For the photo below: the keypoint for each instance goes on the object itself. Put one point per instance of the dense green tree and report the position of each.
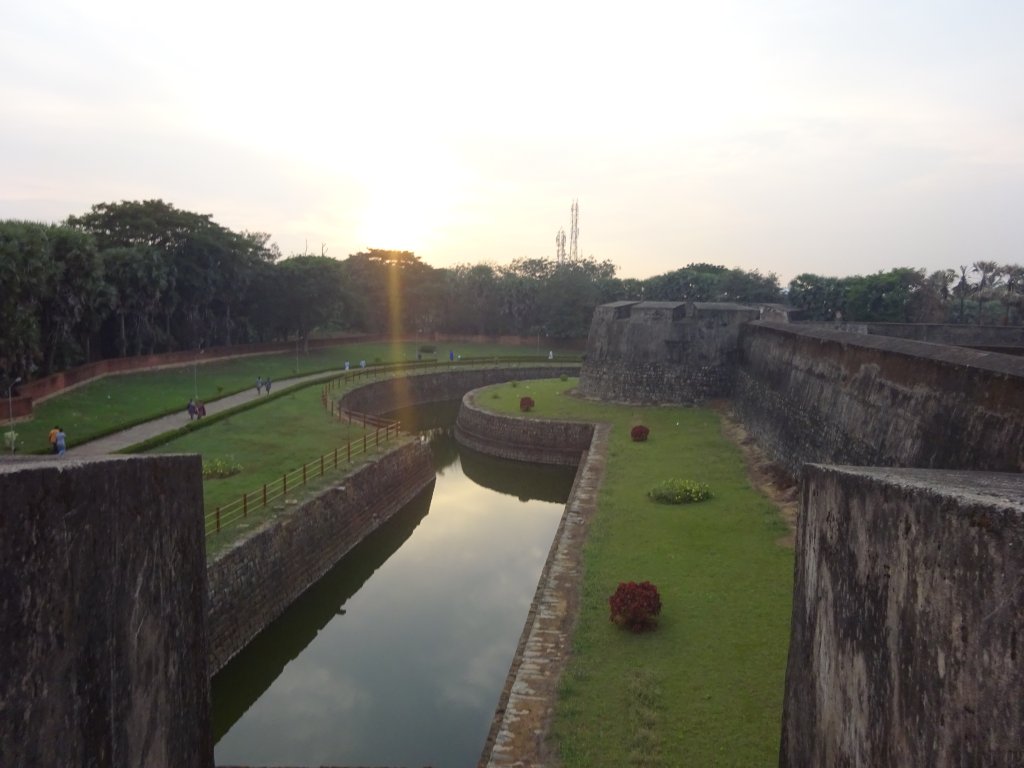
(76, 299)
(884, 296)
(138, 278)
(313, 291)
(820, 298)
(26, 272)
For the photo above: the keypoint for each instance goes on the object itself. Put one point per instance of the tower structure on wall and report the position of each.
(574, 232)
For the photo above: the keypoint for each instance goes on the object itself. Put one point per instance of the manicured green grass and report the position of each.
(267, 442)
(705, 688)
(117, 402)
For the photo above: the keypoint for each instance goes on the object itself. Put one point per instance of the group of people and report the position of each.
(196, 410)
(262, 384)
(58, 441)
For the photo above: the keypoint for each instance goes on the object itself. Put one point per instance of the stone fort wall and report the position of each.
(908, 620)
(655, 351)
(811, 395)
(103, 613)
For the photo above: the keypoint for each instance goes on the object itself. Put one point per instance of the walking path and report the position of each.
(118, 441)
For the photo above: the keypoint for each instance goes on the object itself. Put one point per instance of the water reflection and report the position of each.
(244, 679)
(397, 657)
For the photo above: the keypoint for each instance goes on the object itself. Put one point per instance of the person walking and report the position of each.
(266, 384)
(192, 410)
(61, 442)
(53, 439)
(259, 385)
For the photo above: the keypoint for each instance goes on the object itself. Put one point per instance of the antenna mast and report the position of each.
(574, 232)
(560, 246)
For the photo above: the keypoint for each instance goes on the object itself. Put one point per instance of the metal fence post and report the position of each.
(218, 519)
(264, 494)
(245, 505)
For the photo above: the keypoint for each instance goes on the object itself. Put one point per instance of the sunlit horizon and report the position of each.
(785, 137)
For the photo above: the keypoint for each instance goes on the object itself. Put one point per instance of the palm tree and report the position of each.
(990, 275)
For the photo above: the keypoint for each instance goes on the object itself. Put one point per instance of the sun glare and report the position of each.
(408, 199)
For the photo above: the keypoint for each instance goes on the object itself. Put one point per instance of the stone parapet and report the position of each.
(102, 613)
(811, 395)
(908, 620)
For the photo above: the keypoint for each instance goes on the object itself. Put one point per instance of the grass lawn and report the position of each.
(266, 442)
(117, 402)
(705, 688)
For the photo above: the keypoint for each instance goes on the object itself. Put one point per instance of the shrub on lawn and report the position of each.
(635, 606)
(639, 433)
(526, 404)
(427, 349)
(680, 492)
(218, 469)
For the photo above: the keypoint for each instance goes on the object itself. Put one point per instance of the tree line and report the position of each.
(984, 293)
(138, 277)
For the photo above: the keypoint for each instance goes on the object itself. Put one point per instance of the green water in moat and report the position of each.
(398, 655)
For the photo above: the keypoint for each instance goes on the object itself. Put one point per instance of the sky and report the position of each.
(786, 136)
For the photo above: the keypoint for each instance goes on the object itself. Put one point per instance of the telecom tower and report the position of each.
(574, 233)
(574, 237)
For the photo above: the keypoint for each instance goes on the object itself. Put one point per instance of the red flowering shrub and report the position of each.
(639, 433)
(526, 403)
(634, 606)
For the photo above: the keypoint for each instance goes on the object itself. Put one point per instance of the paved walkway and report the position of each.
(128, 437)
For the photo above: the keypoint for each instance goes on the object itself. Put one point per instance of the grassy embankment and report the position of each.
(705, 688)
(267, 441)
(117, 402)
(264, 443)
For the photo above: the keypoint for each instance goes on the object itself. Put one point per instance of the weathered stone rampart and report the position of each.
(102, 613)
(657, 351)
(252, 583)
(994, 338)
(908, 620)
(811, 395)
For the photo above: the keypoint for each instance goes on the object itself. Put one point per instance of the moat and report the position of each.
(398, 655)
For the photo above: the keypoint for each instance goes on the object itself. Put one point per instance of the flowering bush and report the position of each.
(218, 469)
(639, 433)
(526, 403)
(634, 606)
(680, 492)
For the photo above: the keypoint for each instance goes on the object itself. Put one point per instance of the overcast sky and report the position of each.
(786, 136)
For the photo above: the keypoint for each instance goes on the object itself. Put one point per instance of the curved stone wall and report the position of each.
(520, 438)
(419, 389)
